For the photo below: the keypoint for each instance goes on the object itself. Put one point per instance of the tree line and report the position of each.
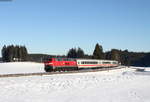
(19, 53)
(124, 57)
(14, 53)
(97, 53)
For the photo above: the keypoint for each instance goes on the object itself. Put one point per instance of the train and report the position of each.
(70, 64)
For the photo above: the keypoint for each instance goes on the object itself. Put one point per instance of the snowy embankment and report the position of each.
(21, 67)
(145, 68)
(121, 85)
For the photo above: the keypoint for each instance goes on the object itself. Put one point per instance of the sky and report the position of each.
(55, 26)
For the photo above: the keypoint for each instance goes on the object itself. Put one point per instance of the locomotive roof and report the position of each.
(83, 59)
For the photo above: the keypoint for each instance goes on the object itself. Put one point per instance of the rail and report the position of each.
(52, 73)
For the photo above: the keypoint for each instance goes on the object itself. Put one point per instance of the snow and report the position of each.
(120, 85)
(21, 67)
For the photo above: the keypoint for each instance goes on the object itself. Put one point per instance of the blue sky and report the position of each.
(55, 26)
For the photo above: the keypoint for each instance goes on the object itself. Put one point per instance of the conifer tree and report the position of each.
(75, 53)
(80, 53)
(115, 55)
(98, 52)
(72, 53)
(108, 55)
(24, 53)
(4, 53)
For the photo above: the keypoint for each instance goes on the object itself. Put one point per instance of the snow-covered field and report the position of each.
(21, 67)
(120, 85)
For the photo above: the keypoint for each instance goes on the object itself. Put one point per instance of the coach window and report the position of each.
(114, 62)
(106, 62)
(94, 62)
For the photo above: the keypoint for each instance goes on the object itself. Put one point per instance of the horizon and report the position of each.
(55, 26)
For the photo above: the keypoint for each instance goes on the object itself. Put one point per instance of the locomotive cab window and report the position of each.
(49, 59)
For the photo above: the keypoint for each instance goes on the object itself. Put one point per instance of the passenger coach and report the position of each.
(90, 63)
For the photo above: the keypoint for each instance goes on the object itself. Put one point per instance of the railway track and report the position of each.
(52, 73)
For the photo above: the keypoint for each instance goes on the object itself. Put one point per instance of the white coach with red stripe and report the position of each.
(90, 63)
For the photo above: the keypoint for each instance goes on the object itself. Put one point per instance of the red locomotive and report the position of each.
(68, 64)
(60, 64)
